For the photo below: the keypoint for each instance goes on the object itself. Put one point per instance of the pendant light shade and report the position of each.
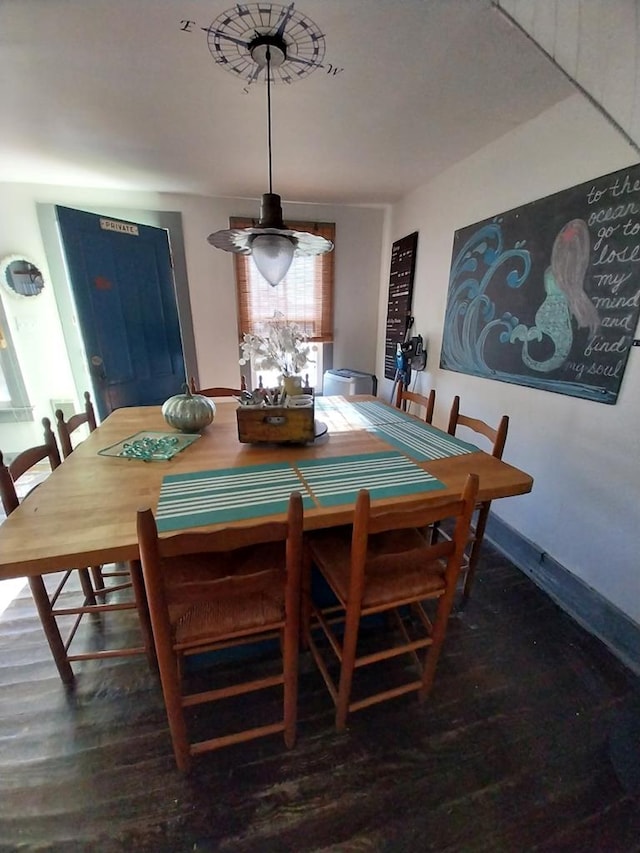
(273, 254)
(271, 243)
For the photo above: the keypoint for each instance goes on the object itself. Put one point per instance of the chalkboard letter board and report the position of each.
(403, 264)
(548, 294)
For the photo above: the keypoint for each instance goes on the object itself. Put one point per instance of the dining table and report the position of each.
(84, 512)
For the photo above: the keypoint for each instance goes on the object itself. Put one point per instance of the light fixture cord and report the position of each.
(268, 58)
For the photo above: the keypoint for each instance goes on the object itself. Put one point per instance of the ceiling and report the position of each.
(120, 93)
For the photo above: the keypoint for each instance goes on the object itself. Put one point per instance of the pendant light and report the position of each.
(272, 245)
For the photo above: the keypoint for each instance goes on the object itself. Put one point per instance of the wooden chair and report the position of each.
(497, 437)
(385, 564)
(404, 398)
(67, 427)
(49, 605)
(214, 590)
(218, 391)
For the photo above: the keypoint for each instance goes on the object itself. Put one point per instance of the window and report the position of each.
(14, 402)
(305, 296)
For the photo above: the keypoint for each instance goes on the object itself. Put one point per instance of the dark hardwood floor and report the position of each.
(522, 746)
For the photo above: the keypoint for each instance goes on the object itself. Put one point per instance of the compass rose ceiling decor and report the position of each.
(278, 43)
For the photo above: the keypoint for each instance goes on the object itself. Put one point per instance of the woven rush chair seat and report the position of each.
(214, 590)
(384, 565)
(249, 601)
(394, 568)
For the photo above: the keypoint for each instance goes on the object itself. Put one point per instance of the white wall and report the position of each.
(584, 510)
(211, 284)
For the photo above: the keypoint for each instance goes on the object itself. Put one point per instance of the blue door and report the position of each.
(122, 283)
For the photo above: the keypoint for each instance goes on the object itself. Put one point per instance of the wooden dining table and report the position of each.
(84, 513)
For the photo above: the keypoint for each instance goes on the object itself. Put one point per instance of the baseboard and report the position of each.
(590, 609)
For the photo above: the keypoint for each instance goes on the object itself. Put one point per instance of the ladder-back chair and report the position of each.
(218, 391)
(214, 590)
(497, 436)
(54, 608)
(385, 564)
(404, 398)
(67, 426)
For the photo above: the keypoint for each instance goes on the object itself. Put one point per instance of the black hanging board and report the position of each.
(403, 264)
(548, 294)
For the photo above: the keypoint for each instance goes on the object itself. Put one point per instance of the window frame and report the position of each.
(19, 407)
(319, 330)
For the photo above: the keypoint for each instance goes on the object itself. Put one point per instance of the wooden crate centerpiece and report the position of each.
(279, 424)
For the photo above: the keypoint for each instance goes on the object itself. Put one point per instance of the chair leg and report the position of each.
(305, 600)
(474, 554)
(87, 587)
(170, 680)
(98, 581)
(137, 583)
(43, 606)
(445, 604)
(290, 668)
(349, 648)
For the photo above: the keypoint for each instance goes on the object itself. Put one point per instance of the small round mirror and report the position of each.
(20, 276)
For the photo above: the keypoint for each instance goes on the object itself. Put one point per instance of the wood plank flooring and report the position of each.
(517, 749)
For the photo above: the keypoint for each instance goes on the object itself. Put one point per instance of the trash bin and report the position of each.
(348, 382)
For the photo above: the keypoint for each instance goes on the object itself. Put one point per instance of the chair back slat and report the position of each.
(218, 390)
(414, 514)
(226, 539)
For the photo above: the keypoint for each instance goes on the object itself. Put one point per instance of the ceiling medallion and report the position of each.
(235, 34)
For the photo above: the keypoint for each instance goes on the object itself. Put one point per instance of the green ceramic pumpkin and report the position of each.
(188, 412)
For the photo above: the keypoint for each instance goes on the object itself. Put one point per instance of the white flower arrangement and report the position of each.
(281, 346)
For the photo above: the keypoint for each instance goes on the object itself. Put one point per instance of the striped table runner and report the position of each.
(340, 414)
(386, 474)
(417, 439)
(421, 441)
(363, 414)
(231, 494)
(378, 413)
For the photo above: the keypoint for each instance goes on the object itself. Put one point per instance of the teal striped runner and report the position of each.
(386, 474)
(421, 441)
(378, 413)
(417, 439)
(335, 406)
(230, 494)
(366, 413)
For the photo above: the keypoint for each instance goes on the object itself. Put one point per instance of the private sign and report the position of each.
(123, 227)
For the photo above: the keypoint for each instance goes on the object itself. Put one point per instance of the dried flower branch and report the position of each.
(281, 346)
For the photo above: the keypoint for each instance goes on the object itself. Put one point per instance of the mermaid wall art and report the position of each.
(565, 299)
(548, 295)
